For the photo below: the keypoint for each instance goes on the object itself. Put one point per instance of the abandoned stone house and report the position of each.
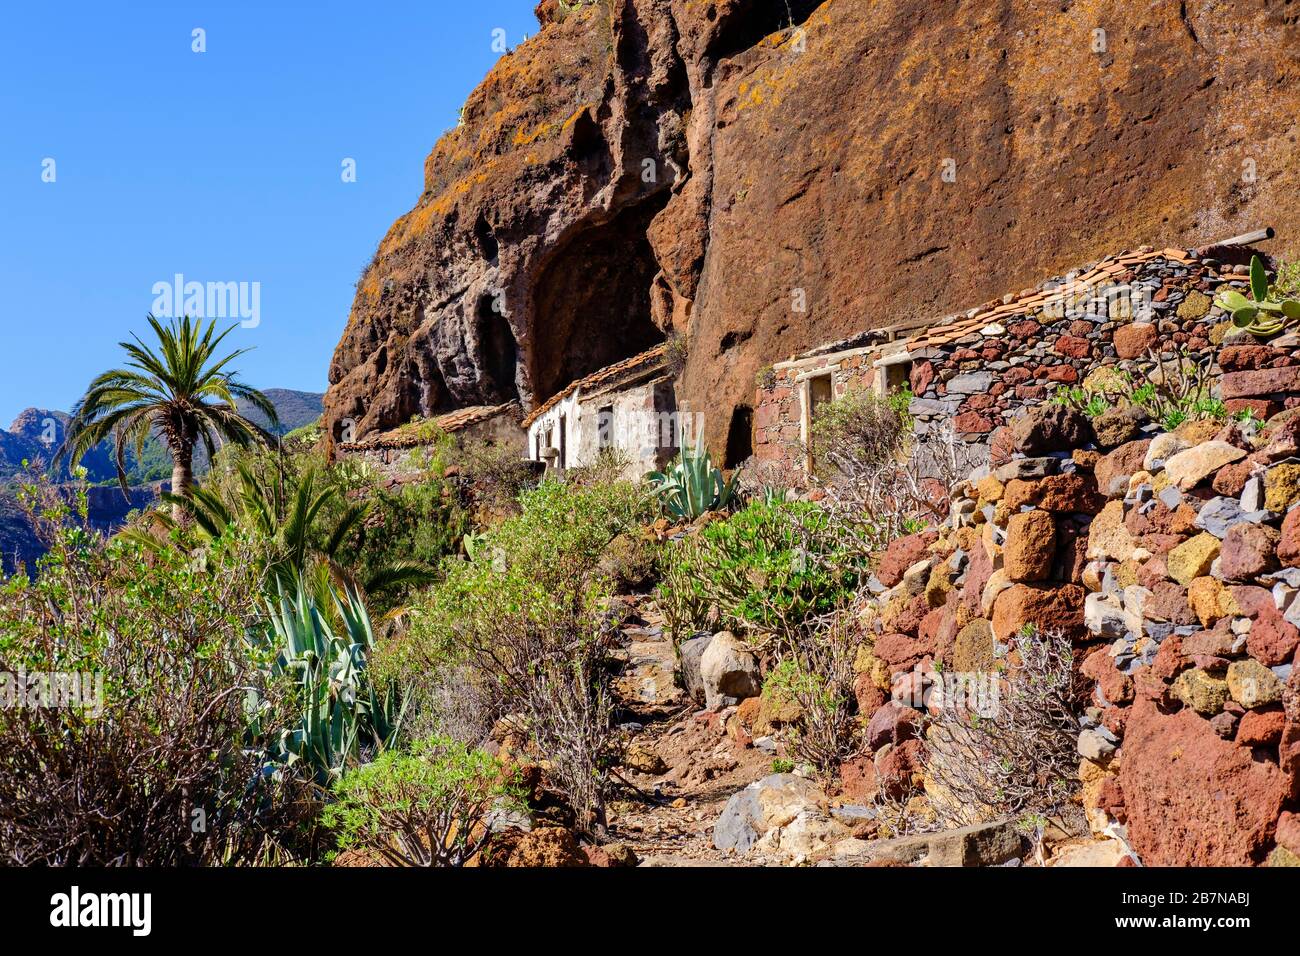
(629, 408)
(390, 453)
(1122, 317)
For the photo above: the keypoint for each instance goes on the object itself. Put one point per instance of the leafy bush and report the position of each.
(525, 620)
(691, 486)
(773, 567)
(426, 807)
(164, 768)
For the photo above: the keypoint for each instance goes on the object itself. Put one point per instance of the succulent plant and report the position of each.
(1266, 312)
(691, 485)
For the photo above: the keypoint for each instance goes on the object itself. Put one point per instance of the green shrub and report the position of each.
(426, 807)
(164, 769)
(772, 567)
(343, 717)
(524, 618)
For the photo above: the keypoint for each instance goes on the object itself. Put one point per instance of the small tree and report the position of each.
(428, 807)
(182, 392)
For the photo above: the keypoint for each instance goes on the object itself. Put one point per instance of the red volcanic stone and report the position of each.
(867, 694)
(1169, 661)
(1024, 330)
(1288, 548)
(978, 402)
(1272, 640)
(1065, 374)
(1115, 719)
(899, 650)
(1288, 832)
(1057, 607)
(1168, 602)
(1113, 470)
(1192, 798)
(1244, 358)
(921, 378)
(1261, 408)
(901, 554)
(1133, 340)
(1260, 382)
(973, 423)
(1115, 686)
(1261, 728)
(1016, 376)
(1110, 797)
(892, 724)
(1031, 392)
(978, 572)
(858, 779)
(1072, 346)
(896, 767)
(1153, 571)
(1230, 479)
(1248, 551)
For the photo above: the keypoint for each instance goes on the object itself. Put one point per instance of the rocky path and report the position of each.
(680, 759)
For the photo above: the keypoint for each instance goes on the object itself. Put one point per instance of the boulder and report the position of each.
(1259, 382)
(1050, 427)
(1115, 426)
(981, 844)
(892, 724)
(1192, 558)
(774, 801)
(1132, 340)
(1191, 798)
(690, 653)
(728, 671)
(547, 847)
(1201, 691)
(1281, 487)
(1059, 607)
(1249, 550)
(1252, 685)
(901, 554)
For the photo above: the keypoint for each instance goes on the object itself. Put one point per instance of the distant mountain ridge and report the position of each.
(36, 434)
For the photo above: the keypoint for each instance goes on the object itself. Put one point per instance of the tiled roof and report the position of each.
(610, 375)
(404, 436)
(1109, 269)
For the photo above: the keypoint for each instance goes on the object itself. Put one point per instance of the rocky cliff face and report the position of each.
(763, 176)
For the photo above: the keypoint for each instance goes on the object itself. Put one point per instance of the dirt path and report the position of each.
(680, 757)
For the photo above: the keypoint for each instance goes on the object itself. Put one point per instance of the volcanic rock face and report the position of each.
(763, 177)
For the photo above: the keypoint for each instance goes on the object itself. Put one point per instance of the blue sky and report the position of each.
(224, 166)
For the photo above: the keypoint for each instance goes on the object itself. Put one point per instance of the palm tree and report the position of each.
(182, 394)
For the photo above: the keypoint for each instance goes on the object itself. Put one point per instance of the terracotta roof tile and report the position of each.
(450, 423)
(606, 376)
(996, 310)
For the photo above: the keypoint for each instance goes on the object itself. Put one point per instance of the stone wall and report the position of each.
(1171, 560)
(1109, 325)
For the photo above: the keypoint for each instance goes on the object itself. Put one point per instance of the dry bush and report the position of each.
(1020, 757)
(879, 478)
(816, 672)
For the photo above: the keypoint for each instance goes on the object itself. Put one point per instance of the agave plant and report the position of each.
(1267, 312)
(343, 717)
(692, 485)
